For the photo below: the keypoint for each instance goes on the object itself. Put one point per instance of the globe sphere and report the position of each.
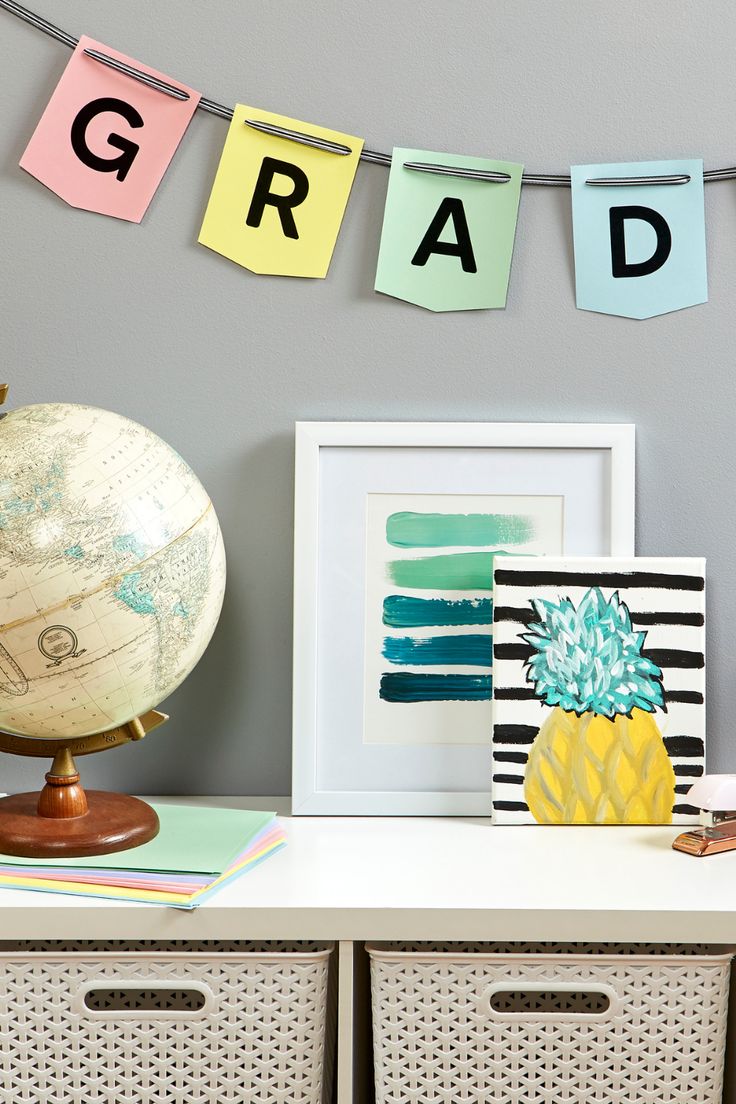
(112, 571)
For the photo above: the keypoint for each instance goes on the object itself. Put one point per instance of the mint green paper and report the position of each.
(192, 839)
(412, 202)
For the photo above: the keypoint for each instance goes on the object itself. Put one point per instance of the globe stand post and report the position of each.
(62, 796)
(64, 821)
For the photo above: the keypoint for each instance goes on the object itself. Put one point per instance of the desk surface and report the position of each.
(427, 878)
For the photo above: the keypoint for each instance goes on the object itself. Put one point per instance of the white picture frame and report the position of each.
(348, 460)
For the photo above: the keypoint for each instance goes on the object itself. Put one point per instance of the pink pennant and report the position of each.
(105, 139)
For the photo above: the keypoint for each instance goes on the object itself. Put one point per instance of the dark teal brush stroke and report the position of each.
(405, 686)
(471, 650)
(403, 612)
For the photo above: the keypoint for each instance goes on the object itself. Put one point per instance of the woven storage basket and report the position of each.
(548, 1024)
(164, 1023)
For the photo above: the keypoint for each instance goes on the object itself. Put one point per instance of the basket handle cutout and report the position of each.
(550, 1001)
(112, 999)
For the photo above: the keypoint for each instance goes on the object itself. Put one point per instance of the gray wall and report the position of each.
(142, 320)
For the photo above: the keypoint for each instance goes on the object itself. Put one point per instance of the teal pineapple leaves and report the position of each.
(588, 659)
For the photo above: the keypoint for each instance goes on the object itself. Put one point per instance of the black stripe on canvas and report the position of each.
(511, 613)
(675, 657)
(685, 697)
(695, 619)
(514, 693)
(528, 616)
(512, 651)
(685, 770)
(518, 779)
(522, 807)
(688, 747)
(514, 734)
(685, 747)
(682, 770)
(523, 693)
(663, 657)
(519, 757)
(656, 580)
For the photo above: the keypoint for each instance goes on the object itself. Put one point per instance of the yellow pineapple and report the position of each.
(599, 758)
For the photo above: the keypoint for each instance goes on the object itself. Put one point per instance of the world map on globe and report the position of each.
(112, 570)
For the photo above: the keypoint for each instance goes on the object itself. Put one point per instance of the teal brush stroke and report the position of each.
(471, 650)
(414, 530)
(407, 687)
(461, 571)
(402, 612)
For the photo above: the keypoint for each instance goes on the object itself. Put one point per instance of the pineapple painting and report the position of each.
(599, 758)
(598, 689)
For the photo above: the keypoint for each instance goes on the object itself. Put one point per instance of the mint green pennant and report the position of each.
(447, 241)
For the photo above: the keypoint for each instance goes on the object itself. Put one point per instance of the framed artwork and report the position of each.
(599, 690)
(397, 529)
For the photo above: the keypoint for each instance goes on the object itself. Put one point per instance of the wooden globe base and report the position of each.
(64, 821)
(113, 822)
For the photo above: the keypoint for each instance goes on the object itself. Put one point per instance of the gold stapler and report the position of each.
(715, 796)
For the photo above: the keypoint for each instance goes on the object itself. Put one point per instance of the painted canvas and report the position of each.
(428, 635)
(599, 690)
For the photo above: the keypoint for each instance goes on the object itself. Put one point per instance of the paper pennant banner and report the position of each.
(105, 139)
(639, 249)
(276, 205)
(447, 241)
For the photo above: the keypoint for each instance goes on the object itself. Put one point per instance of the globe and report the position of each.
(112, 571)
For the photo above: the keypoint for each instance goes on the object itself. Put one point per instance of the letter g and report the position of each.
(121, 165)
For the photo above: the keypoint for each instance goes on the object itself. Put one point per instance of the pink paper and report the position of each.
(126, 129)
(149, 880)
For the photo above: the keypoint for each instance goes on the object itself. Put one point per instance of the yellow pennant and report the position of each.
(276, 204)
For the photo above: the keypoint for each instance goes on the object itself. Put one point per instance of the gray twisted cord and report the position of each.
(373, 157)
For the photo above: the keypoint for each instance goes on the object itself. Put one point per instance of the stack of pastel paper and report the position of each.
(197, 851)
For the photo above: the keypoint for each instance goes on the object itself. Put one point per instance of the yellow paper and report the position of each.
(84, 888)
(155, 896)
(294, 233)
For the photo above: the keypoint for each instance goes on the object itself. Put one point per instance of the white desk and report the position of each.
(366, 878)
(362, 878)
(353, 879)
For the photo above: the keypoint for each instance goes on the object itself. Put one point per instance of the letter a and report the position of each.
(462, 247)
